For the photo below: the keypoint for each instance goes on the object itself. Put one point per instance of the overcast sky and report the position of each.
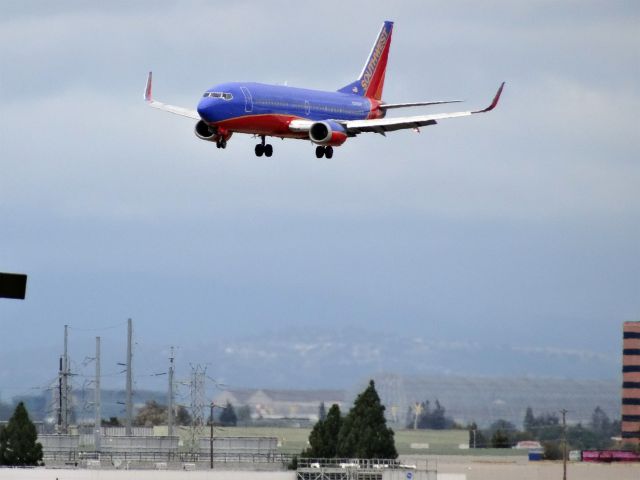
(514, 235)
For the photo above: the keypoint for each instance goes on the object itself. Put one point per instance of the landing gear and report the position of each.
(324, 151)
(221, 143)
(264, 148)
(328, 151)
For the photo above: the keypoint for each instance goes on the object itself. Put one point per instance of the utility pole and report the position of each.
(211, 436)
(564, 443)
(98, 418)
(60, 370)
(63, 388)
(65, 382)
(129, 403)
(170, 402)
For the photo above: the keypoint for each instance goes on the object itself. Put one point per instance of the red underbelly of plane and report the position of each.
(265, 124)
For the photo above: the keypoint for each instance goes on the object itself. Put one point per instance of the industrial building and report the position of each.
(274, 404)
(631, 382)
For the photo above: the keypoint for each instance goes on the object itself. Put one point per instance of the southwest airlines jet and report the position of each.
(325, 118)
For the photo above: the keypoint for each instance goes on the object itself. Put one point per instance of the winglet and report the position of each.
(494, 103)
(147, 90)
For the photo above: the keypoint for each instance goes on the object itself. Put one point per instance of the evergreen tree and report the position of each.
(364, 432)
(228, 416)
(529, 420)
(18, 446)
(183, 417)
(244, 415)
(424, 415)
(410, 418)
(500, 439)
(152, 413)
(322, 412)
(438, 420)
(112, 422)
(600, 422)
(323, 439)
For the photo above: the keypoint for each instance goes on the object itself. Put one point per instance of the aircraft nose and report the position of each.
(204, 108)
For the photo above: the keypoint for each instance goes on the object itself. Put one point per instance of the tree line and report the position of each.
(549, 431)
(422, 416)
(154, 413)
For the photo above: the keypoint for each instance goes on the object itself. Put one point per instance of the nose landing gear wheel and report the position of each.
(264, 148)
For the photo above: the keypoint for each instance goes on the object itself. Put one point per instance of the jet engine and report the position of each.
(327, 133)
(205, 132)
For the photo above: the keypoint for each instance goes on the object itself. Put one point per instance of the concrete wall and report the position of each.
(258, 445)
(63, 443)
(139, 444)
(59, 443)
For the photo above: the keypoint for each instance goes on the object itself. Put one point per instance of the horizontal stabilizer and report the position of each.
(386, 106)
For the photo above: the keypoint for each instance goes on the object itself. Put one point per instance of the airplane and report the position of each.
(325, 118)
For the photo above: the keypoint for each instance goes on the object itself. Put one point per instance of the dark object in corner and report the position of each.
(13, 285)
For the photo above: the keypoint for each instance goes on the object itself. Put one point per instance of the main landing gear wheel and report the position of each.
(222, 143)
(328, 151)
(264, 149)
(324, 151)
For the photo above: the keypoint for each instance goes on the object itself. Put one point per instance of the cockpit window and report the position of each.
(225, 96)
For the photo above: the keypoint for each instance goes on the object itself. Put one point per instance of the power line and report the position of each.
(95, 329)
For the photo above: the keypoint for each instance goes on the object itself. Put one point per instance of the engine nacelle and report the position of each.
(327, 133)
(205, 132)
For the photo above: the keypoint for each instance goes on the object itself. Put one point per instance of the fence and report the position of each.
(361, 469)
(117, 457)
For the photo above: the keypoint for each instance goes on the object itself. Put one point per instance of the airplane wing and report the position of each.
(382, 125)
(184, 112)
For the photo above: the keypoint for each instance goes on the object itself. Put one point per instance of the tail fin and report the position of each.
(371, 80)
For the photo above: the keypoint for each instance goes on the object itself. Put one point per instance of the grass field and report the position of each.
(441, 442)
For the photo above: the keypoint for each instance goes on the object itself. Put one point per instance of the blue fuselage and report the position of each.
(267, 109)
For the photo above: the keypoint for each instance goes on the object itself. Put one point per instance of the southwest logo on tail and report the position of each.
(371, 80)
(325, 118)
